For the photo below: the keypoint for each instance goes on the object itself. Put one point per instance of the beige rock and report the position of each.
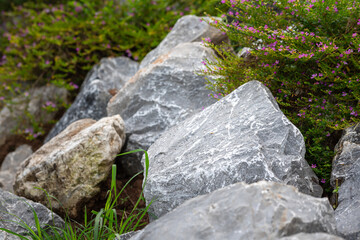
(73, 164)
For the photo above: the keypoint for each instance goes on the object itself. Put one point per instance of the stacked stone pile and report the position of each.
(227, 169)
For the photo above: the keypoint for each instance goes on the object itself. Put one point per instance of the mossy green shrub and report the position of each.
(58, 44)
(307, 54)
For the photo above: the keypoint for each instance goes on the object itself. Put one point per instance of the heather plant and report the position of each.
(307, 54)
(59, 43)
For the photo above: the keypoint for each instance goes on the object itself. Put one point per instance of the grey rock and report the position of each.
(244, 53)
(11, 165)
(72, 165)
(242, 137)
(100, 84)
(312, 236)
(159, 96)
(10, 116)
(23, 208)
(348, 153)
(346, 168)
(262, 210)
(127, 236)
(187, 29)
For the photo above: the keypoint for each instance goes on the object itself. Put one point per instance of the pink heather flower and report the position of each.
(78, 9)
(77, 49)
(29, 130)
(313, 165)
(47, 62)
(2, 98)
(73, 85)
(223, 1)
(354, 113)
(323, 180)
(328, 135)
(354, 35)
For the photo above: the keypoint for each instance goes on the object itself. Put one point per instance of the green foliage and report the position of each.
(6, 5)
(105, 225)
(307, 54)
(58, 44)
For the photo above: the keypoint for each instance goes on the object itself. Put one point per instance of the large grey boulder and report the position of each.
(12, 206)
(72, 165)
(346, 168)
(10, 116)
(242, 137)
(104, 80)
(11, 164)
(262, 210)
(159, 96)
(187, 29)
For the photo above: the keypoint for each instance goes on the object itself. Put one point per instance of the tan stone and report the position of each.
(73, 164)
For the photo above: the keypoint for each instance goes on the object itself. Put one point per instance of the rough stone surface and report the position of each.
(104, 80)
(348, 153)
(245, 52)
(312, 236)
(159, 96)
(9, 117)
(11, 164)
(10, 203)
(262, 210)
(242, 137)
(187, 29)
(73, 164)
(127, 236)
(346, 168)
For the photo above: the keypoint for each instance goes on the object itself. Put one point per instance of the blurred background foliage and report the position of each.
(57, 42)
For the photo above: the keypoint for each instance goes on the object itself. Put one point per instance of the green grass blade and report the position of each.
(98, 224)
